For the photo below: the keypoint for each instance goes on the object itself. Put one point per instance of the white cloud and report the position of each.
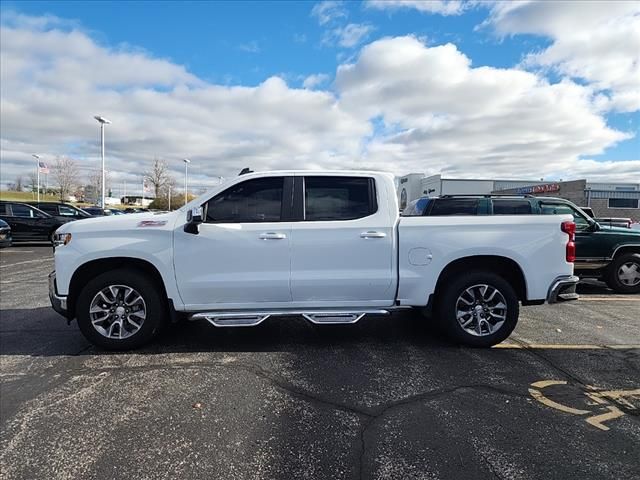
(250, 47)
(442, 7)
(313, 81)
(432, 112)
(54, 81)
(596, 41)
(348, 36)
(444, 115)
(329, 11)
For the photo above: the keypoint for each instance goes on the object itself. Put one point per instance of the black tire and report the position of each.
(454, 289)
(612, 277)
(52, 237)
(155, 304)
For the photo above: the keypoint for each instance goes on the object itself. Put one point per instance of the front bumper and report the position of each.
(563, 289)
(59, 303)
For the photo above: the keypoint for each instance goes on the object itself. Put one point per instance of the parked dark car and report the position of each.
(602, 251)
(63, 211)
(135, 210)
(96, 211)
(5, 234)
(29, 223)
(102, 212)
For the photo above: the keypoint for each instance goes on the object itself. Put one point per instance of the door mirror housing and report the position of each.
(194, 219)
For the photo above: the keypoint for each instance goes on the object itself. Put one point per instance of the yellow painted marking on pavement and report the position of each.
(596, 421)
(608, 299)
(599, 399)
(563, 346)
(538, 395)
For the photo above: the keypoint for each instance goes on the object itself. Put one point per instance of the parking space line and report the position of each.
(608, 299)
(563, 346)
(39, 260)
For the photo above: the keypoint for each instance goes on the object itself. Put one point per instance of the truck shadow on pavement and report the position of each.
(41, 332)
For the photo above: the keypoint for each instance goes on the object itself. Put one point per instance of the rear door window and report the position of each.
(454, 206)
(339, 198)
(50, 209)
(67, 211)
(511, 207)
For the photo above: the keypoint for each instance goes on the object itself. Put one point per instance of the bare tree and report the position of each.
(32, 184)
(18, 184)
(66, 174)
(95, 181)
(158, 176)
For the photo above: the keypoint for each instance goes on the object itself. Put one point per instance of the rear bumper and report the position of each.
(58, 302)
(562, 289)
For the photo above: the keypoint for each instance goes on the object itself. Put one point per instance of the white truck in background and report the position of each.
(329, 246)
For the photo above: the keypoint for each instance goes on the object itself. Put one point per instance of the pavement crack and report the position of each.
(536, 353)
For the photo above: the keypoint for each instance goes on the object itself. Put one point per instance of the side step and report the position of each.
(319, 317)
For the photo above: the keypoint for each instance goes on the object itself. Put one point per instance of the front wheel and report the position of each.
(120, 309)
(479, 309)
(623, 274)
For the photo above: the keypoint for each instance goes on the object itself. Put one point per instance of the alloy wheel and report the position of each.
(481, 310)
(117, 312)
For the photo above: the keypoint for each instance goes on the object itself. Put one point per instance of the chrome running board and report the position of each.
(253, 318)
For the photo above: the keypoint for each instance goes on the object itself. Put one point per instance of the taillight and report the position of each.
(570, 229)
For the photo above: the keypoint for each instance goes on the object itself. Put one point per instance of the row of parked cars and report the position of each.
(606, 248)
(38, 221)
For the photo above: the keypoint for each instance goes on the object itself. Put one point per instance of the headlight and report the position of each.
(61, 239)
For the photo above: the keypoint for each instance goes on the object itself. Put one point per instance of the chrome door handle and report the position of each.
(372, 234)
(272, 236)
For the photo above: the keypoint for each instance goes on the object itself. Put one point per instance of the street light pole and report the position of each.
(186, 175)
(37, 157)
(103, 121)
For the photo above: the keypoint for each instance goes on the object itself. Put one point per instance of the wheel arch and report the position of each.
(505, 267)
(92, 268)
(626, 248)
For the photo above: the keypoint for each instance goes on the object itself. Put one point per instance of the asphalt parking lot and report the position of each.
(386, 398)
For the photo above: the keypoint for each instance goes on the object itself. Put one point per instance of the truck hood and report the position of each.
(626, 231)
(133, 221)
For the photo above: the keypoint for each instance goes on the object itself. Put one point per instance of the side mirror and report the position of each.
(194, 219)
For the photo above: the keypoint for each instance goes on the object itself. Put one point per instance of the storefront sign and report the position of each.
(547, 187)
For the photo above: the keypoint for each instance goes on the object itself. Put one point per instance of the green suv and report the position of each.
(605, 252)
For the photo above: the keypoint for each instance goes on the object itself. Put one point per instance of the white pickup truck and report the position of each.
(329, 246)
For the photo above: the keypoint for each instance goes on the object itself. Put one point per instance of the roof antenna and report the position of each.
(245, 170)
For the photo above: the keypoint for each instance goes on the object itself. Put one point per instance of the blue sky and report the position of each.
(247, 43)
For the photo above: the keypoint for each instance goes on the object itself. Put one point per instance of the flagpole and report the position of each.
(37, 157)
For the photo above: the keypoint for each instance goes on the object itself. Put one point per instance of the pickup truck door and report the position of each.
(241, 256)
(342, 249)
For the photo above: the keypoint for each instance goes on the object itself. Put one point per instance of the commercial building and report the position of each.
(606, 199)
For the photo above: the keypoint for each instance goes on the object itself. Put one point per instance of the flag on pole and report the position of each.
(44, 168)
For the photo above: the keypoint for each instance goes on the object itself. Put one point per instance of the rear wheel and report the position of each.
(479, 309)
(623, 274)
(120, 309)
